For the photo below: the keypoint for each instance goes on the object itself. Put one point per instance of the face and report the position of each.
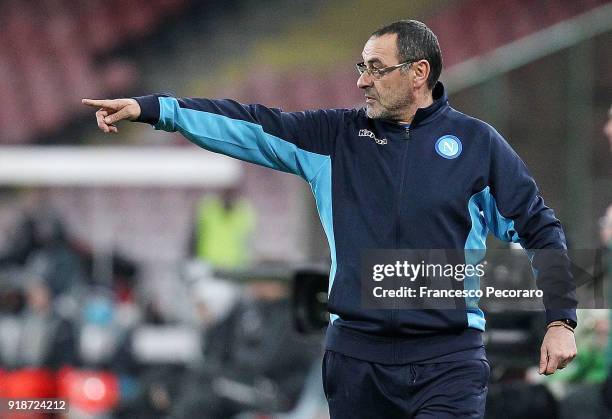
(606, 227)
(608, 131)
(391, 96)
(38, 297)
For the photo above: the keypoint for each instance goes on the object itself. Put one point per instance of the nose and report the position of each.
(364, 80)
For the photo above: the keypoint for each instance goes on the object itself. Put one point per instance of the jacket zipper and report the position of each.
(398, 216)
(401, 190)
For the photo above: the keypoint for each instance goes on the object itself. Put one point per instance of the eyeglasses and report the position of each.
(379, 73)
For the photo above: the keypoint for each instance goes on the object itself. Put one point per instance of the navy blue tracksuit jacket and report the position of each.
(443, 182)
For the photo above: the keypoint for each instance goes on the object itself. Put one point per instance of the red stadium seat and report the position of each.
(3, 378)
(93, 392)
(29, 383)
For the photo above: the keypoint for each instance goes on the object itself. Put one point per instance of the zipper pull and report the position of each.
(407, 133)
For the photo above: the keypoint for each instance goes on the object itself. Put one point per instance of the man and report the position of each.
(406, 172)
(45, 338)
(605, 233)
(223, 229)
(254, 349)
(608, 128)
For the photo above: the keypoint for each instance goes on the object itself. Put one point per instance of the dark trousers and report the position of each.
(359, 389)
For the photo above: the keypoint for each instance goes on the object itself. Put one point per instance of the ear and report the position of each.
(421, 73)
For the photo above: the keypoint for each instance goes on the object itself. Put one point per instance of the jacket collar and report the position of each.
(440, 101)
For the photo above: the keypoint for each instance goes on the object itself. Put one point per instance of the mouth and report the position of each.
(369, 99)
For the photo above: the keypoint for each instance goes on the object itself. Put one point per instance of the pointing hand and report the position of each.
(112, 111)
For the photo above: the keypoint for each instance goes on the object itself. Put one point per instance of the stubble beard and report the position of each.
(377, 112)
(393, 111)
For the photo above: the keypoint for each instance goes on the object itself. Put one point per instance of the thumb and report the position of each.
(543, 359)
(122, 114)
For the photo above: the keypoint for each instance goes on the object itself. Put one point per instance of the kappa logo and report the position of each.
(368, 133)
(448, 147)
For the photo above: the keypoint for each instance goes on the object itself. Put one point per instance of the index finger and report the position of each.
(96, 103)
(553, 362)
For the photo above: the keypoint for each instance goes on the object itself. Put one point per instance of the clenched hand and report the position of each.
(558, 350)
(112, 111)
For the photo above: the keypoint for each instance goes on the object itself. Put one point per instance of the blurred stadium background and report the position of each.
(143, 277)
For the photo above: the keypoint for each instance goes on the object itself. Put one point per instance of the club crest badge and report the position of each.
(449, 147)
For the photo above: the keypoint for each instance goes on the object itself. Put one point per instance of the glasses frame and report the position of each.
(379, 73)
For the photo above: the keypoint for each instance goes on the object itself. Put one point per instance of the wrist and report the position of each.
(565, 323)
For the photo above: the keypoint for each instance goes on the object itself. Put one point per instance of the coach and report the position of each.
(405, 172)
